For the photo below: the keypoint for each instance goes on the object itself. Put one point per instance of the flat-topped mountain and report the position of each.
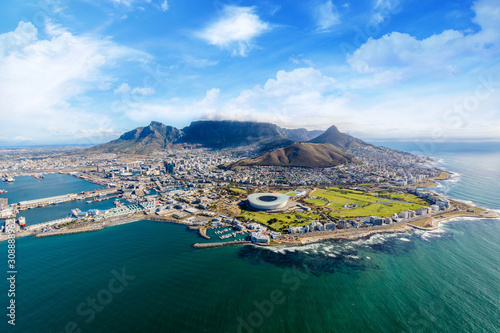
(301, 154)
(207, 133)
(225, 134)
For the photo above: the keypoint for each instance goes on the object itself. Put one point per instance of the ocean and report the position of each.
(146, 277)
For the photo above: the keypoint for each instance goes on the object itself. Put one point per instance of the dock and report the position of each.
(67, 232)
(219, 244)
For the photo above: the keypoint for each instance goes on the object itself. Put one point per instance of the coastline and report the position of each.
(432, 182)
(426, 223)
(429, 223)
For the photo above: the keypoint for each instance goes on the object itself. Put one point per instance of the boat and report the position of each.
(3, 191)
(9, 180)
(22, 221)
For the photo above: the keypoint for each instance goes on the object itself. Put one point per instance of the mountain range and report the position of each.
(286, 147)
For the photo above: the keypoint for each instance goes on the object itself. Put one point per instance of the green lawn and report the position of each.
(237, 191)
(316, 202)
(406, 197)
(345, 197)
(283, 219)
(376, 209)
(369, 204)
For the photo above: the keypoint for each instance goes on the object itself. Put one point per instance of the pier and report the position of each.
(34, 227)
(219, 244)
(67, 232)
(162, 219)
(65, 198)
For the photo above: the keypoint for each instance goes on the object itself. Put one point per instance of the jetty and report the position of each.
(219, 244)
(67, 232)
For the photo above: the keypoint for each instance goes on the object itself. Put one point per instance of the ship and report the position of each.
(22, 221)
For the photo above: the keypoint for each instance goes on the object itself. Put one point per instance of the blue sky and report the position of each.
(86, 71)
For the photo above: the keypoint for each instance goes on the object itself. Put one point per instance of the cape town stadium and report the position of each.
(268, 201)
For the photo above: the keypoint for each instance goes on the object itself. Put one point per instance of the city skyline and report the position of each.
(85, 73)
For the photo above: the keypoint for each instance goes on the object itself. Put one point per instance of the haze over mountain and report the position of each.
(300, 154)
(300, 134)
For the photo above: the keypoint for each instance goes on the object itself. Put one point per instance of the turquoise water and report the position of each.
(442, 281)
(54, 212)
(29, 188)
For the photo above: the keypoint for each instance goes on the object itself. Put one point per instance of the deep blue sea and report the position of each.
(146, 277)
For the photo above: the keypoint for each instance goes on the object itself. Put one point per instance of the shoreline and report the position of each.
(352, 234)
(428, 223)
(359, 234)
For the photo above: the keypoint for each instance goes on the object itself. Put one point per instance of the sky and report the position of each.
(84, 72)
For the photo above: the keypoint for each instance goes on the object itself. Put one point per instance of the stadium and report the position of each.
(268, 201)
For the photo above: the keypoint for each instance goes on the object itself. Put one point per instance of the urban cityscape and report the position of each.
(247, 166)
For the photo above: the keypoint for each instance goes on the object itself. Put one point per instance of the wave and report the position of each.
(496, 211)
(337, 248)
(454, 177)
(351, 256)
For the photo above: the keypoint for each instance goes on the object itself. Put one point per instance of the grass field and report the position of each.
(292, 219)
(238, 191)
(406, 197)
(368, 203)
(316, 202)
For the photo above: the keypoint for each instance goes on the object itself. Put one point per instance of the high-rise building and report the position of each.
(4, 202)
(169, 166)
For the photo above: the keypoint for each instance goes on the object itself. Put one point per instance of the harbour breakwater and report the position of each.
(219, 244)
(67, 232)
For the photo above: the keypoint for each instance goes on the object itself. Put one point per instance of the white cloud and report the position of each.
(326, 15)
(386, 4)
(447, 53)
(145, 91)
(198, 62)
(305, 97)
(15, 41)
(235, 29)
(164, 6)
(298, 60)
(174, 108)
(43, 82)
(125, 90)
(126, 3)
